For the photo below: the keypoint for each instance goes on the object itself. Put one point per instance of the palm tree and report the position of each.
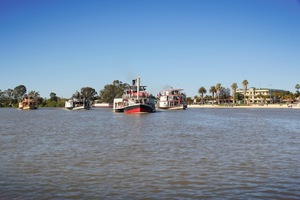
(289, 97)
(202, 91)
(297, 87)
(245, 83)
(218, 89)
(213, 90)
(234, 86)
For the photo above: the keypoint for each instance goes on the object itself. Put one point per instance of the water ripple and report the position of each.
(194, 154)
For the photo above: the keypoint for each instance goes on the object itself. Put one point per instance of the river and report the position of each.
(193, 154)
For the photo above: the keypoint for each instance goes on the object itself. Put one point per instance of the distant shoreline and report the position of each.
(250, 106)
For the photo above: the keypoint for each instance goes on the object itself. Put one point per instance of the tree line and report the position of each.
(11, 97)
(223, 94)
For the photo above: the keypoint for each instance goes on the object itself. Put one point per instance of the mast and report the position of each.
(138, 88)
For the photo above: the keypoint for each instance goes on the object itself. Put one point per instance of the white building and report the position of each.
(259, 95)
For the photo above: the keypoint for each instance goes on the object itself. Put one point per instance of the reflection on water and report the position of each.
(192, 154)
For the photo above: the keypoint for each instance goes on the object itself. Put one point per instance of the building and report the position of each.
(259, 95)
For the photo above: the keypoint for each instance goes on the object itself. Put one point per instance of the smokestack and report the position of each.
(138, 87)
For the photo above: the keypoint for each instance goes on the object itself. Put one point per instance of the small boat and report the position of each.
(98, 104)
(28, 103)
(77, 104)
(135, 99)
(171, 99)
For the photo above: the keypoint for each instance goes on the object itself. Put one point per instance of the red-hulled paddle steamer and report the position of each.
(135, 99)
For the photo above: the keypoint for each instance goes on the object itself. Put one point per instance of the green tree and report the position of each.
(245, 84)
(61, 102)
(1, 98)
(218, 89)
(189, 100)
(202, 91)
(224, 93)
(9, 94)
(289, 97)
(213, 90)
(6, 98)
(53, 97)
(234, 86)
(297, 87)
(111, 91)
(278, 97)
(239, 96)
(19, 92)
(36, 96)
(48, 103)
(88, 93)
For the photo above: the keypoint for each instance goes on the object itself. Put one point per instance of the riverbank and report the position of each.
(250, 106)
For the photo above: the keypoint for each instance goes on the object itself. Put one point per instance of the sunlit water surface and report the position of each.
(193, 154)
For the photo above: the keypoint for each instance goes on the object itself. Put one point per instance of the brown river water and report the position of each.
(193, 154)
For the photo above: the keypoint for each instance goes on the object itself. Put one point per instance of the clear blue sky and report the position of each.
(63, 45)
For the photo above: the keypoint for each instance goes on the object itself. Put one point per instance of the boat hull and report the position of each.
(102, 105)
(77, 105)
(28, 108)
(119, 110)
(139, 108)
(81, 108)
(171, 108)
(78, 108)
(181, 107)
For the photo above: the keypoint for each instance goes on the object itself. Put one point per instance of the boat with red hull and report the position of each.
(135, 99)
(138, 108)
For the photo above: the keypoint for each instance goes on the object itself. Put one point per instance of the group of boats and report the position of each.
(135, 99)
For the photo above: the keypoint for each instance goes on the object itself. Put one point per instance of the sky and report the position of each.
(61, 46)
